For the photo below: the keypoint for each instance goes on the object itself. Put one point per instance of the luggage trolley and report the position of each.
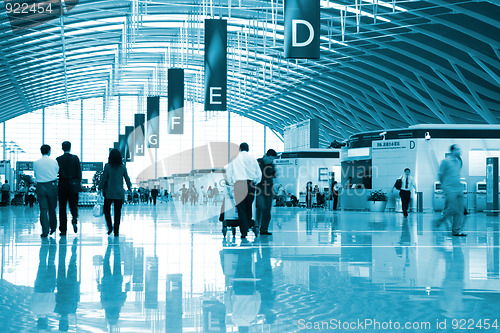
(229, 216)
(229, 213)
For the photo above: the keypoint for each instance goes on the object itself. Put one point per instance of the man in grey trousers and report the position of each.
(46, 170)
(449, 176)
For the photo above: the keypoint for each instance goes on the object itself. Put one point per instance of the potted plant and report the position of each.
(377, 200)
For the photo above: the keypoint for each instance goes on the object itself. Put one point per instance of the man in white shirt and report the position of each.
(407, 183)
(46, 171)
(244, 172)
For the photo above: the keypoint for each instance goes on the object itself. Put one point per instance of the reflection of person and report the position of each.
(112, 189)
(68, 289)
(46, 170)
(449, 176)
(70, 178)
(451, 298)
(244, 172)
(242, 299)
(43, 300)
(112, 295)
(264, 275)
(407, 183)
(404, 239)
(264, 199)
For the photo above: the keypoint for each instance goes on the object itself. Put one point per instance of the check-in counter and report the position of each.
(354, 199)
(480, 196)
(439, 197)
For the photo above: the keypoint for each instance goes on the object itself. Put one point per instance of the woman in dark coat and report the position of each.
(112, 188)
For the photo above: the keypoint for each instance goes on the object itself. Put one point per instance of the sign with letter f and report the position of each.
(302, 29)
(175, 101)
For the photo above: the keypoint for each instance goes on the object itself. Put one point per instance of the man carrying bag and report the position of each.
(403, 185)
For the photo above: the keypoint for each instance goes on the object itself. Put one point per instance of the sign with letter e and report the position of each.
(302, 29)
(215, 65)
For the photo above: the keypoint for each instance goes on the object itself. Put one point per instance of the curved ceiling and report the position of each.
(384, 64)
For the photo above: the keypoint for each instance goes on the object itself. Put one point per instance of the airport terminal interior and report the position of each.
(375, 125)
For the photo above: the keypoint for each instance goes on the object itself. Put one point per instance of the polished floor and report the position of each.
(171, 270)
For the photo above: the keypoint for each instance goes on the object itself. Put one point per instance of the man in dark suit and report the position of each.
(154, 194)
(70, 178)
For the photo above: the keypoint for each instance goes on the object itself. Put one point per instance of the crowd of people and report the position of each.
(59, 181)
(194, 196)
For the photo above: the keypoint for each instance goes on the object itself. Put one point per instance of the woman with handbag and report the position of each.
(112, 188)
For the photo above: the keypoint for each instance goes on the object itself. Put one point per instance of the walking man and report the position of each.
(46, 170)
(407, 183)
(70, 178)
(244, 172)
(264, 199)
(154, 194)
(449, 176)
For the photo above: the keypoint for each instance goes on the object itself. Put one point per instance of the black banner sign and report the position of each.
(122, 145)
(302, 29)
(175, 101)
(139, 120)
(215, 65)
(129, 134)
(153, 129)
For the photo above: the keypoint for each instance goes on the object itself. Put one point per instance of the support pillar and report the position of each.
(81, 130)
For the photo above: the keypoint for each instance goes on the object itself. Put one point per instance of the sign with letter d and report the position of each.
(302, 29)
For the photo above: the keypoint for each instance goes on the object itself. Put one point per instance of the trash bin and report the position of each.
(420, 202)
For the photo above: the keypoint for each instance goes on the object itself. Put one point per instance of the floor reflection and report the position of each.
(68, 289)
(113, 293)
(170, 273)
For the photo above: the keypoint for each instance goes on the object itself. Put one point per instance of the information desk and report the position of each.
(354, 199)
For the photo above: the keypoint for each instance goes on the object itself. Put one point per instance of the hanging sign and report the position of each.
(302, 29)
(215, 65)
